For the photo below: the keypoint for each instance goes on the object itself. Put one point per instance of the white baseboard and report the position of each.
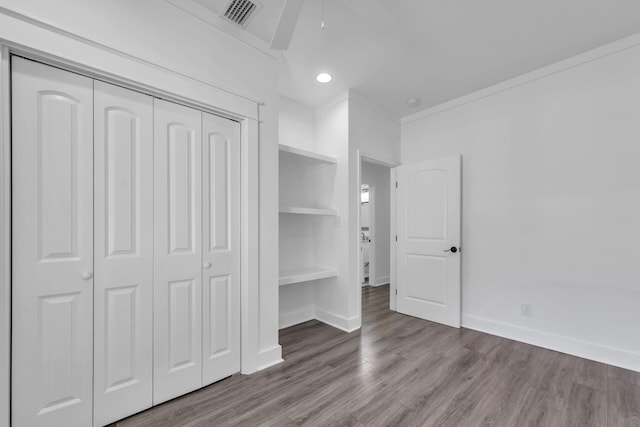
(295, 317)
(384, 280)
(339, 322)
(270, 357)
(310, 313)
(588, 350)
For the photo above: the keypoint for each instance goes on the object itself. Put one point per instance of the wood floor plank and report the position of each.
(623, 407)
(586, 406)
(402, 371)
(625, 375)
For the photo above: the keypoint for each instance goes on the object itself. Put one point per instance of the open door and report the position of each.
(428, 234)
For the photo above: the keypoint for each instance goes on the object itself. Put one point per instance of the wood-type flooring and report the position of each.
(402, 371)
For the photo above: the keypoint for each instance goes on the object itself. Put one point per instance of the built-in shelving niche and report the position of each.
(307, 216)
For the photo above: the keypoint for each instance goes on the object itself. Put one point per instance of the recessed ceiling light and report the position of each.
(413, 103)
(324, 77)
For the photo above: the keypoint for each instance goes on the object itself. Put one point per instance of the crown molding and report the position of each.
(558, 67)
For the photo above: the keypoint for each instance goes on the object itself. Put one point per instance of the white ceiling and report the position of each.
(435, 50)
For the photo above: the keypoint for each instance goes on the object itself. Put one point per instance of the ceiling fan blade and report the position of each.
(286, 24)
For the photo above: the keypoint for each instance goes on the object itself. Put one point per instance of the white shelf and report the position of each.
(307, 211)
(298, 275)
(308, 157)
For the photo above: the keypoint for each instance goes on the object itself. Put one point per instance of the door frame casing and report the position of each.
(371, 158)
(5, 239)
(58, 48)
(372, 236)
(393, 230)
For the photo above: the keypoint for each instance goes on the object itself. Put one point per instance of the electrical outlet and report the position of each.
(526, 309)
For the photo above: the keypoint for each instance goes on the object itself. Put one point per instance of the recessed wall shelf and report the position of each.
(307, 211)
(308, 228)
(307, 157)
(299, 275)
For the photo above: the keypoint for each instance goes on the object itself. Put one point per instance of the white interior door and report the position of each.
(178, 251)
(52, 247)
(428, 229)
(123, 315)
(221, 248)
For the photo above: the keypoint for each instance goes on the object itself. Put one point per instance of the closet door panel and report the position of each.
(178, 251)
(221, 247)
(52, 248)
(123, 121)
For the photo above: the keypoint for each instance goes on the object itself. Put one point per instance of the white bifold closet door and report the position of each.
(52, 246)
(221, 247)
(178, 251)
(126, 249)
(197, 255)
(123, 252)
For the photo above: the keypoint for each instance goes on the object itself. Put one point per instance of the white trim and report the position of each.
(373, 107)
(269, 357)
(369, 158)
(585, 349)
(575, 61)
(373, 262)
(250, 282)
(296, 317)
(5, 239)
(393, 230)
(360, 274)
(339, 98)
(58, 47)
(357, 232)
(384, 280)
(364, 157)
(339, 322)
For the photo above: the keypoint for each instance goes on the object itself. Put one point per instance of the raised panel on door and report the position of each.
(178, 250)
(123, 354)
(428, 212)
(52, 246)
(221, 247)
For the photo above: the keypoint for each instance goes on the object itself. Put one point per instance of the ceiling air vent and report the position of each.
(239, 12)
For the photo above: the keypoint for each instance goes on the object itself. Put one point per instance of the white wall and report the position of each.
(344, 126)
(551, 204)
(333, 298)
(377, 137)
(157, 34)
(372, 131)
(296, 124)
(377, 177)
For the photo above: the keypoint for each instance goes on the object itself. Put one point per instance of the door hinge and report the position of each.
(396, 292)
(396, 184)
(396, 237)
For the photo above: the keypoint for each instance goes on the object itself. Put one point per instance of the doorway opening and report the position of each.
(374, 233)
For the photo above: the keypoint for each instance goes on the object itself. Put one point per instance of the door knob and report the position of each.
(87, 275)
(453, 249)
(207, 265)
